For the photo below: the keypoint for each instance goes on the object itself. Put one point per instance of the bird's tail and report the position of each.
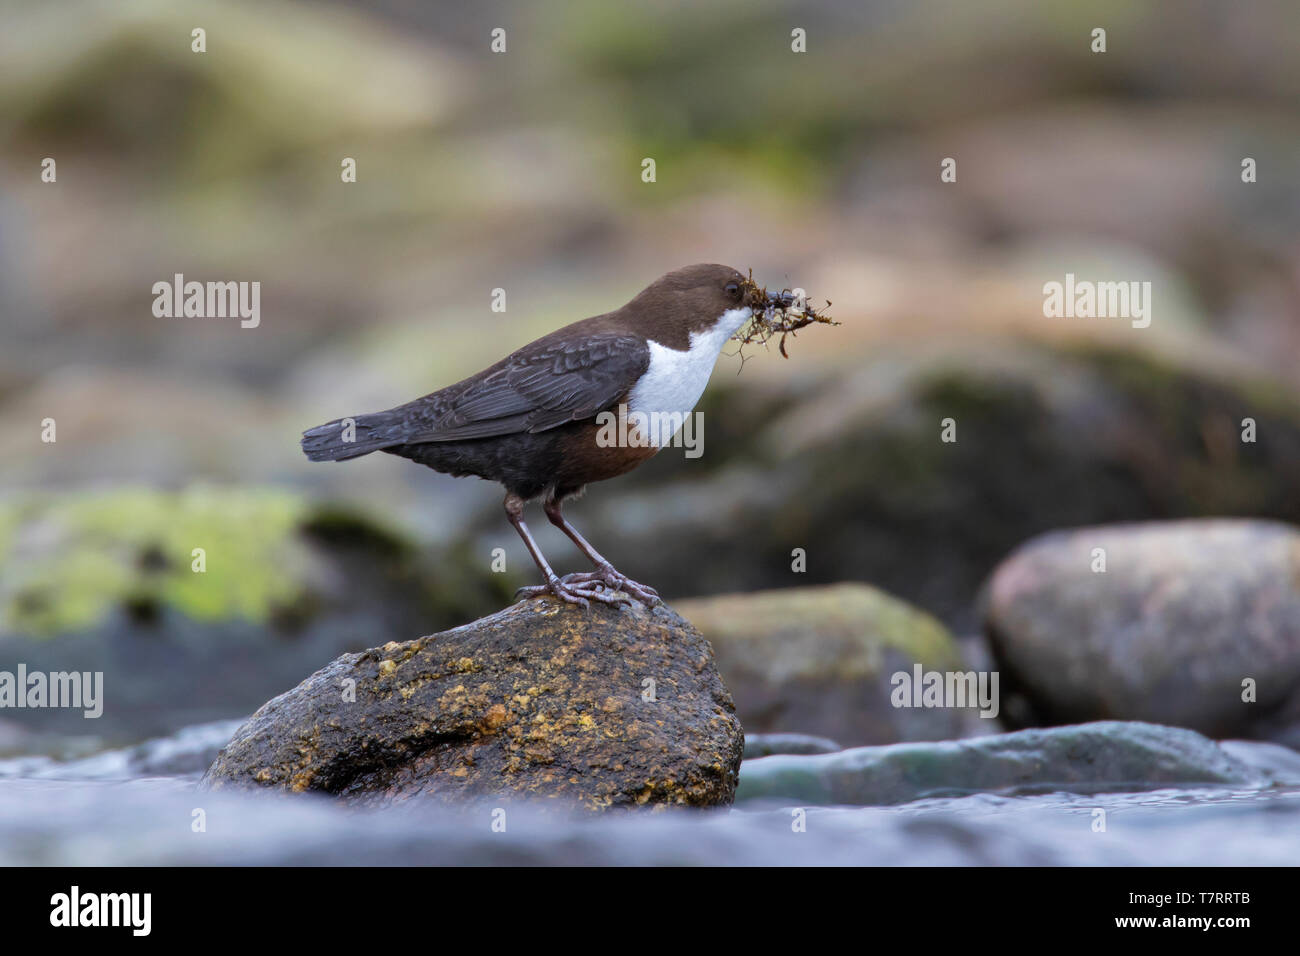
(353, 437)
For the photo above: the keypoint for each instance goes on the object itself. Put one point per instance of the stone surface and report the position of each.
(540, 701)
(819, 661)
(1183, 614)
(1108, 756)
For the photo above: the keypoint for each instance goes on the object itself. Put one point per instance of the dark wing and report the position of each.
(541, 386)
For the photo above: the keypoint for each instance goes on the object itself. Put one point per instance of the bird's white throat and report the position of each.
(675, 379)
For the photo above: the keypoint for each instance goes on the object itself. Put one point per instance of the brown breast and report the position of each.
(589, 457)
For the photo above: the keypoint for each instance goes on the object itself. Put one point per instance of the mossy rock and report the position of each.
(70, 560)
(820, 661)
(198, 603)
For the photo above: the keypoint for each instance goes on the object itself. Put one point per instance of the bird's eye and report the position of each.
(733, 289)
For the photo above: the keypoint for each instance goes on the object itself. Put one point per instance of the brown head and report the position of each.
(692, 299)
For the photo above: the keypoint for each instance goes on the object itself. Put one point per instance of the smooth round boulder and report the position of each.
(1190, 623)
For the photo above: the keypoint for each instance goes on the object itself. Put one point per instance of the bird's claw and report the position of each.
(615, 581)
(581, 594)
(582, 587)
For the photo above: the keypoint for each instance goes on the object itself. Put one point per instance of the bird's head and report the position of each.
(706, 300)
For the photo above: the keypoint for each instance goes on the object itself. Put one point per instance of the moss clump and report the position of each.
(66, 561)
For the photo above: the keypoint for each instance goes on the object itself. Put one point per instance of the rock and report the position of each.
(820, 660)
(765, 745)
(539, 701)
(106, 581)
(1184, 613)
(1279, 763)
(848, 465)
(1088, 758)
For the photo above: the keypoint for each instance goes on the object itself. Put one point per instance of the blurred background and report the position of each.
(522, 171)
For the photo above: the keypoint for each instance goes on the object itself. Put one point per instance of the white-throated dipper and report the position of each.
(530, 421)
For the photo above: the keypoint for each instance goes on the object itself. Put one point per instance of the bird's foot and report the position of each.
(615, 581)
(581, 593)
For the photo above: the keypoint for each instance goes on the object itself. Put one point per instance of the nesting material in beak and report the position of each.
(777, 313)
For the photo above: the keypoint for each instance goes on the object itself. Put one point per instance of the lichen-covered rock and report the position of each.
(820, 661)
(1088, 758)
(593, 708)
(1189, 623)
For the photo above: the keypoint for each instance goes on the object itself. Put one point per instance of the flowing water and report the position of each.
(143, 806)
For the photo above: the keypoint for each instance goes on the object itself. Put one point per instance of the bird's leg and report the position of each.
(575, 593)
(605, 572)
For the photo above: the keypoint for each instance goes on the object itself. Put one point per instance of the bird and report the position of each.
(533, 420)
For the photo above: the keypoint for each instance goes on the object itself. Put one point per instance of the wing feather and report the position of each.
(540, 387)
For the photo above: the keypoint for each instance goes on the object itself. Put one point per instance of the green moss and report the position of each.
(67, 561)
